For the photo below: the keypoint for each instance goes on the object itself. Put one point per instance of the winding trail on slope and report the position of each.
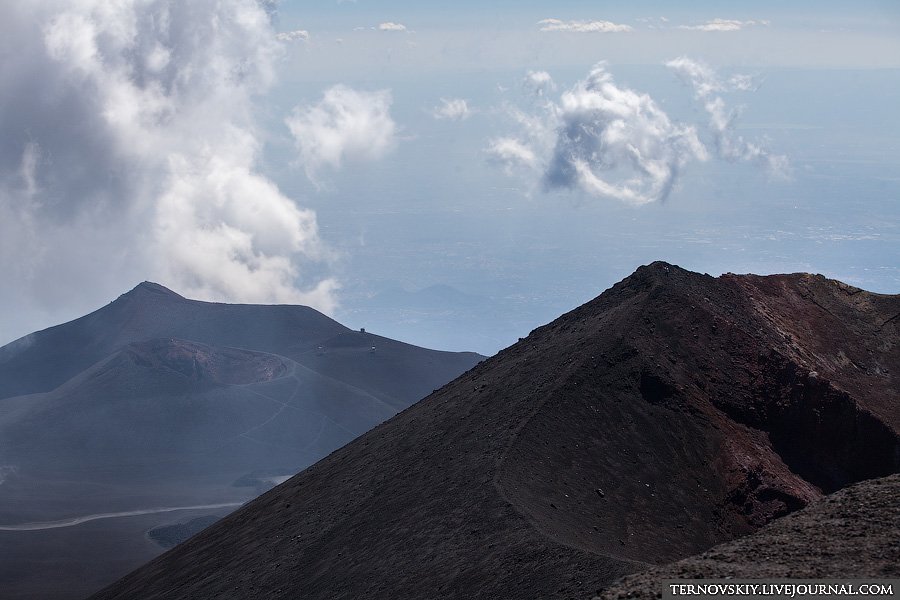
(115, 515)
(537, 527)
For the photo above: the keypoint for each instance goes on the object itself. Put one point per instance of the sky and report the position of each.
(450, 174)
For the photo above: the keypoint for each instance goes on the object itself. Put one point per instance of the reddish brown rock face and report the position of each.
(673, 412)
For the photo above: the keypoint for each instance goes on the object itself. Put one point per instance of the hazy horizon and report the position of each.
(451, 176)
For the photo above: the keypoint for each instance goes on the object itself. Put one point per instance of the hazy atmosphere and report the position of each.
(401, 300)
(450, 175)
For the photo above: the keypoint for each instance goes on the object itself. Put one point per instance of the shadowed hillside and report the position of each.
(673, 412)
(44, 360)
(156, 402)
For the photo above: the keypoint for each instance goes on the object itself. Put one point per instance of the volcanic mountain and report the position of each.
(673, 412)
(157, 408)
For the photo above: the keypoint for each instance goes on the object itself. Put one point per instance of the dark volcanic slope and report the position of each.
(849, 534)
(166, 410)
(672, 413)
(401, 374)
(43, 360)
(154, 378)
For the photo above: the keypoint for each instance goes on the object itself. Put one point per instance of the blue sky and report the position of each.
(452, 175)
(807, 34)
(523, 11)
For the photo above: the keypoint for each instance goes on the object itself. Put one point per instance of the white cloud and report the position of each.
(697, 74)
(291, 36)
(346, 124)
(510, 153)
(618, 143)
(583, 26)
(729, 145)
(133, 155)
(604, 140)
(453, 109)
(391, 26)
(539, 82)
(724, 25)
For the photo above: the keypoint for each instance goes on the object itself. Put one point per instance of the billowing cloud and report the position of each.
(583, 26)
(604, 140)
(618, 143)
(292, 36)
(453, 109)
(724, 25)
(347, 124)
(707, 86)
(391, 26)
(130, 152)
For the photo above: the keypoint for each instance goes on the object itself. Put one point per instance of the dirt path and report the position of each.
(114, 515)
